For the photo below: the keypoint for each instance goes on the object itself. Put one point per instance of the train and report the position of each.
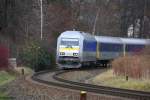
(76, 49)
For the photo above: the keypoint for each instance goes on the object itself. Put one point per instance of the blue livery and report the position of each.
(80, 48)
(111, 47)
(89, 46)
(134, 48)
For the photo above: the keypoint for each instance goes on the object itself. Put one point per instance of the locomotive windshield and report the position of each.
(70, 42)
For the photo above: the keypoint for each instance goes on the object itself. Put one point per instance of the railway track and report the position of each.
(54, 79)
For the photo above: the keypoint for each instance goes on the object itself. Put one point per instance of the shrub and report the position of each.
(37, 56)
(137, 66)
(4, 54)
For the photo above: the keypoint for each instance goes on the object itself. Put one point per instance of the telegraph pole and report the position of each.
(41, 3)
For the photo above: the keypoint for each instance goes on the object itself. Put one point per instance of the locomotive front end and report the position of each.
(68, 53)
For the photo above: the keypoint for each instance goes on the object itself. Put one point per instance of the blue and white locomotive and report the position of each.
(75, 48)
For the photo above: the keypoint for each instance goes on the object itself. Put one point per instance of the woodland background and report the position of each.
(20, 20)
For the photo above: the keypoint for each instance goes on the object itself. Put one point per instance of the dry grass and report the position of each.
(137, 66)
(109, 79)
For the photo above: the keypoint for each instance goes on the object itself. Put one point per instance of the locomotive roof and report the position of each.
(105, 39)
(73, 34)
(76, 34)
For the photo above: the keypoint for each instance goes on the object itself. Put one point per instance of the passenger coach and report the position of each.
(75, 48)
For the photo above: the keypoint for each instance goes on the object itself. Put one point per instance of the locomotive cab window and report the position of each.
(69, 42)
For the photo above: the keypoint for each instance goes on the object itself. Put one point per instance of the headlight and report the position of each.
(75, 54)
(62, 53)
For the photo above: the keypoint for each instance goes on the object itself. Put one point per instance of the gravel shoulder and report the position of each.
(83, 75)
(23, 88)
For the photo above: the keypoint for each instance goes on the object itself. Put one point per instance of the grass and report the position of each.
(5, 77)
(3, 96)
(27, 70)
(109, 79)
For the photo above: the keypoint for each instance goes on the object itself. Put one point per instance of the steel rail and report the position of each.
(140, 95)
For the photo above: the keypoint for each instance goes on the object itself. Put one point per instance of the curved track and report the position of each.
(54, 79)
